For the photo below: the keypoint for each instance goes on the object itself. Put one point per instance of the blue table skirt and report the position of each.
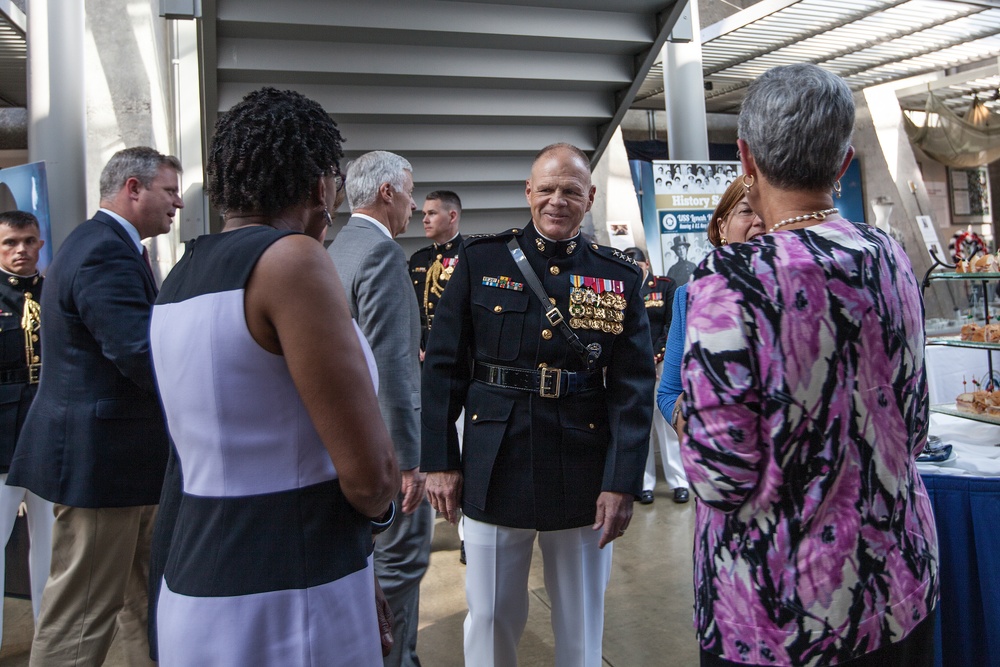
(967, 512)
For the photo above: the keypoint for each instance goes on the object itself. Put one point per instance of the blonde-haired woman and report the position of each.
(733, 221)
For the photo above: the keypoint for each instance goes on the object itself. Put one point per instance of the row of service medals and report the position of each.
(654, 300)
(597, 304)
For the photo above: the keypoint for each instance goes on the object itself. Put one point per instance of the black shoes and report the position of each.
(681, 495)
(461, 554)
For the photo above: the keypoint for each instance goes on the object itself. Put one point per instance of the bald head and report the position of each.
(559, 191)
(562, 146)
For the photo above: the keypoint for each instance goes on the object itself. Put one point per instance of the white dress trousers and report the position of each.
(40, 520)
(670, 449)
(496, 588)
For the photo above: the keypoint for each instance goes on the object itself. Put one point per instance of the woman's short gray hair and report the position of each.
(367, 173)
(141, 162)
(797, 121)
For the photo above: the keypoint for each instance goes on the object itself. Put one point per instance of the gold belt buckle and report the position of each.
(34, 372)
(545, 390)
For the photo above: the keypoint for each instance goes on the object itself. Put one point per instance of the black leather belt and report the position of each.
(15, 376)
(546, 382)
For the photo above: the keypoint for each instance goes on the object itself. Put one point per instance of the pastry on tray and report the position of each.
(984, 263)
(978, 333)
(979, 402)
(966, 402)
(973, 332)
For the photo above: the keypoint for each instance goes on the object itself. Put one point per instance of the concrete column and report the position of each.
(56, 108)
(186, 96)
(687, 130)
(615, 200)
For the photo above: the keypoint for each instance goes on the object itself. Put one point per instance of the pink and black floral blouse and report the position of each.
(806, 401)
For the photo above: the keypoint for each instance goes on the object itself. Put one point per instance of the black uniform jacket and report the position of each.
(431, 268)
(530, 461)
(16, 392)
(658, 295)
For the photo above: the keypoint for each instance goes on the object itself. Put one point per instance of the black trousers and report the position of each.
(916, 650)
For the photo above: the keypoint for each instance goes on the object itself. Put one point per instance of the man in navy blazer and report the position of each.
(94, 441)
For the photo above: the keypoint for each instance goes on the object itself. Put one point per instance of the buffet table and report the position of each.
(965, 494)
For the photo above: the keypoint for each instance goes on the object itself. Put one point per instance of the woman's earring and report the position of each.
(836, 188)
(329, 218)
(723, 240)
(748, 183)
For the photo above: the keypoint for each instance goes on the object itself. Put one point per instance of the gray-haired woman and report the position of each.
(806, 404)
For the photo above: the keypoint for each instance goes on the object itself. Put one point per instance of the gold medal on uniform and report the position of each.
(596, 304)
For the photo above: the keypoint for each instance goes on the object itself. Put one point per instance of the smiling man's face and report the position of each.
(559, 193)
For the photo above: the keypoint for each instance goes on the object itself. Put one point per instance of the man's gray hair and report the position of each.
(141, 162)
(797, 121)
(366, 175)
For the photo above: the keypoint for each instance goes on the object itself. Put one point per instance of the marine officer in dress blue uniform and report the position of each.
(431, 266)
(658, 295)
(20, 365)
(430, 270)
(556, 390)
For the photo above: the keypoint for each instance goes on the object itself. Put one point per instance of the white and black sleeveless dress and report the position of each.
(268, 563)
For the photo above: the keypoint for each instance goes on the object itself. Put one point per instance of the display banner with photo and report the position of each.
(686, 194)
(24, 188)
(675, 217)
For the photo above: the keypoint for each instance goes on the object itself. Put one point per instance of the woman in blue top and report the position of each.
(733, 222)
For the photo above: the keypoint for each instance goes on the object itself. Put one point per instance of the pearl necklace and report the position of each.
(817, 215)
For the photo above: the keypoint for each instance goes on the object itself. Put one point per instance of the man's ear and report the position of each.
(385, 191)
(133, 186)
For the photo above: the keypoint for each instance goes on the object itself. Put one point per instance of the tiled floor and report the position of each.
(647, 611)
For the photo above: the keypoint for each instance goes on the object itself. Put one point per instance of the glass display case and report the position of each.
(982, 282)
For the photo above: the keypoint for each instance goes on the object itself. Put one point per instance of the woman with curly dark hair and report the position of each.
(269, 391)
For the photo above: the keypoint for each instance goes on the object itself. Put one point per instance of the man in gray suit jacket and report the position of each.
(374, 272)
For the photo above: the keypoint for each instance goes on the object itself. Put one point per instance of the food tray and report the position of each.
(950, 409)
(955, 341)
